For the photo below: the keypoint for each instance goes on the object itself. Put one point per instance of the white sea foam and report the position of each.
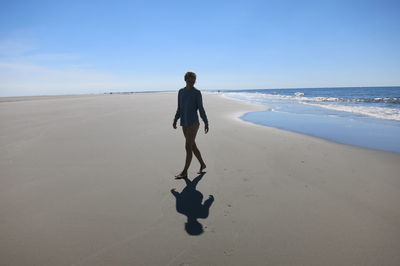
(378, 112)
(331, 103)
(299, 96)
(246, 96)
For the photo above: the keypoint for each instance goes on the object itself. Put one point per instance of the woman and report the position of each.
(189, 101)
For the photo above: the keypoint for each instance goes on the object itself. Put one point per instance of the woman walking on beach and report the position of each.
(189, 101)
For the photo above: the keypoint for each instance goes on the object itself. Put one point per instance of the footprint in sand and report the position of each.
(229, 252)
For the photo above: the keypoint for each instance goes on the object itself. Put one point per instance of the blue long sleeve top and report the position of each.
(189, 101)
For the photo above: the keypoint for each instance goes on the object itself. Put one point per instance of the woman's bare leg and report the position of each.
(197, 153)
(190, 135)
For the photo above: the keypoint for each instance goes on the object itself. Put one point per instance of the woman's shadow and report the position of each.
(189, 203)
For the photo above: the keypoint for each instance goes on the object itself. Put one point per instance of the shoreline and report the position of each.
(234, 115)
(239, 116)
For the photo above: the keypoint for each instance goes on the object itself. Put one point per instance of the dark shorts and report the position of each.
(191, 130)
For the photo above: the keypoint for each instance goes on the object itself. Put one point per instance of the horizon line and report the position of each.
(205, 90)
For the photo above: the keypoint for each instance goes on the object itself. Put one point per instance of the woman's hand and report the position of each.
(174, 125)
(205, 128)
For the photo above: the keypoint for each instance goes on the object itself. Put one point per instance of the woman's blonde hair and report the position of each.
(190, 74)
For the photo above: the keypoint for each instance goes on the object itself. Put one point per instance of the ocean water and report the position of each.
(367, 117)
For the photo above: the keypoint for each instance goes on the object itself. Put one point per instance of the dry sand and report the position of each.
(87, 181)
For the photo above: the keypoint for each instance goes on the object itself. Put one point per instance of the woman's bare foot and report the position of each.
(202, 167)
(181, 176)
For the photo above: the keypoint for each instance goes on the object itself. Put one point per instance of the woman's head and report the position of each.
(190, 74)
(190, 78)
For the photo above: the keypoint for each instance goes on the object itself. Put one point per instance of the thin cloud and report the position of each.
(23, 71)
(52, 57)
(11, 47)
(19, 79)
(20, 67)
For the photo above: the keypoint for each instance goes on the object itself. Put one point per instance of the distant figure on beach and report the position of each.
(189, 202)
(189, 101)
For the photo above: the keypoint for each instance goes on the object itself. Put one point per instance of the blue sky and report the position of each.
(67, 47)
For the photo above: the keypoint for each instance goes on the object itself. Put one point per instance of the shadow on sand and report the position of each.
(189, 203)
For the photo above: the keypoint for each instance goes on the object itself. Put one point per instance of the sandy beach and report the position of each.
(89, 180)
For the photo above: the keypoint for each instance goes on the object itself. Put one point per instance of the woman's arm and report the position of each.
(201, 108)
(178, 114)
